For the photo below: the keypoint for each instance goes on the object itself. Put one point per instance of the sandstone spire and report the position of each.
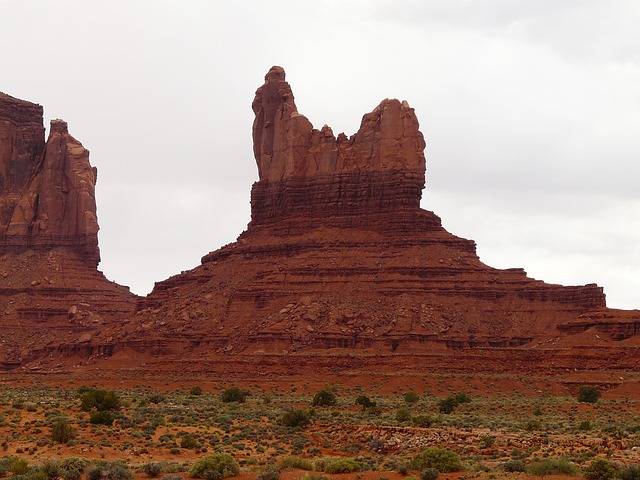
(47, 191)
(286, 145)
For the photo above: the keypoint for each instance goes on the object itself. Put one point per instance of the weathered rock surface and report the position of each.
(340, 266)
(51, 292)
(339, 271)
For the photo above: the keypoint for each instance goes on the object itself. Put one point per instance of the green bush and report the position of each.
(411, 397)
(72, 468)
(365, 402)
(109, 471)
(512, 466)
(189, 441)
(632, 472)
(268, 474)
(309, 476)
(429, 474)
(101, 417)
(298, 463)
(51, 469)
(61, 431)
(588, 394)
(442, 459)
(585, 426)
(600, 469)
(334, 465)
(295, 419)
(17, 466)
(447, 405)
(234, 394)
(324, 398)
(422, 421)
(196, 391)
(219, 465)
(152, 469)
(99, 399)
(551, 466)
(461, 398)
(403, 415)
(156, 398)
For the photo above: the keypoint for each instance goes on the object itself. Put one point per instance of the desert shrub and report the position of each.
(588, 394)
(487, 441)
(311, 476)
(461, 398)
(632, 472)
(411, 397)
(189, 441)
(172, 476)
(324, 398)
(447, 405)
(422, 421)
(99, 399)
(61, 431)
(51, 469)
(152, 469)
(512, 466)
(551, 466)
(429, 474)
(298, 463)
(334, 465)
(600, 469)
(269, 473)
(403, 415)
(17, 466)
(156, 398)
(365, 402)
(72, 468)
(195, 391)
(442, 459)
(234, 394)
(585, 426)
(219, 465)
(101, 417)
(295, 419)
(109, 471)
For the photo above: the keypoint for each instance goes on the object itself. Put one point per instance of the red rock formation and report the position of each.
(339, 264)
(58, 206)
(21, 148)
(51, 293)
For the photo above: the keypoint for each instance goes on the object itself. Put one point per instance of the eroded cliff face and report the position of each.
(339, 259)
(307, 174)
(51, 293)
(58, 206)
(21, 148)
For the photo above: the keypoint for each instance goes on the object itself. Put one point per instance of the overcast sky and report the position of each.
(530, 109)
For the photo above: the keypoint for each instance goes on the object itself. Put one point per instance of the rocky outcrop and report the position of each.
(51, 292)
(340, 260)
(339, 270)
(58, 206)
(21, 148)
(374, 177)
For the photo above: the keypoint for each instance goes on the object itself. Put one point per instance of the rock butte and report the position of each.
(51, 292)
(339, 270)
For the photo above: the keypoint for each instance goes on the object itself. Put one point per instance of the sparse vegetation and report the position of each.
(588, 394)
(441, 459)
(324, 398)
(219, 465)
(234, 394)
(61, 431)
